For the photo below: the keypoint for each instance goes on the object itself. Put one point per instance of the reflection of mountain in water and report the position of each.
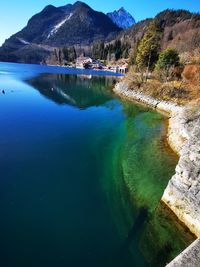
(78, 90)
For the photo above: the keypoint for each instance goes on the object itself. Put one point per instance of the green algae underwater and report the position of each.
(88, 172)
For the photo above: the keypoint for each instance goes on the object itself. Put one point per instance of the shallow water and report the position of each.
(82, 173)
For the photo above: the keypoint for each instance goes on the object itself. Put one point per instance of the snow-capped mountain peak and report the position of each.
(122, 18)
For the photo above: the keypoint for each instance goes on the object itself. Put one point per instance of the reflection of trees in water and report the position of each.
(82, 91)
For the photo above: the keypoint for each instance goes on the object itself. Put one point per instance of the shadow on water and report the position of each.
(80, 91)
(165, 235)
(137, 227)
(132, 239)
(145, 163)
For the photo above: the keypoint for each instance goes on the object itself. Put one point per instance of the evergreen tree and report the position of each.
(133, 54)
(65, 53)
(149, 47)
(59, 56)
(168, 58)
(112, 51)
(118, 49)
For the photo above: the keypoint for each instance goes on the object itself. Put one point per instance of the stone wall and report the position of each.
(190, 257)
(182, 194)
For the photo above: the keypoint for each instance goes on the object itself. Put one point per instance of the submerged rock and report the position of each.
(182, 194)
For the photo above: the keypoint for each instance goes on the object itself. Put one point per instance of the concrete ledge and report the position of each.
(190, 257)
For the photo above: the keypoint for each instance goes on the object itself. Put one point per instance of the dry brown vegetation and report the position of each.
(192, 57)
(180, 91)
(191, 74)
(183, 36)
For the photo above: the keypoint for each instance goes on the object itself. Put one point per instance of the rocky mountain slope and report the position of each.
(55, 27)
(180, 29)
(80, 26)
(122, 18)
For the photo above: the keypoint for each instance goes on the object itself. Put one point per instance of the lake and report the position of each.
(82, 173)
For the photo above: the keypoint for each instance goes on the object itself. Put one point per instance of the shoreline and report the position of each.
(182, 194)
(63, 69)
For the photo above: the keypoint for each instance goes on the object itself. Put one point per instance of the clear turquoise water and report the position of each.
(82, 173)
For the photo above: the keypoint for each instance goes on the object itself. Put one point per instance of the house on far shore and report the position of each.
(119, 68)
(97, 64)
(83, 62)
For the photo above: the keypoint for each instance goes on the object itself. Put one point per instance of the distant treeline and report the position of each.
(63, 55)
(100, 50)
(111, 52)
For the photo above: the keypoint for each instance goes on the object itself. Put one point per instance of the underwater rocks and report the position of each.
(182, 194)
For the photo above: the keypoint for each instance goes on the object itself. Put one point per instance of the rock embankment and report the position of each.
(182, 194)
(190, 257)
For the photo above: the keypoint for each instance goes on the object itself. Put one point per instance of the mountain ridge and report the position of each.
(180, 30)
(76, 24)
(80, 26)
(122, 18)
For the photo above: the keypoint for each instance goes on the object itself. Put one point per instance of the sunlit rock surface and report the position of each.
(190, 257)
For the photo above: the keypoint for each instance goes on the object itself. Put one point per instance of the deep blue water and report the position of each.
(73, 185)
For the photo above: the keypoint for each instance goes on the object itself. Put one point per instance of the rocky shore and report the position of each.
(190, 257)
(182, 194)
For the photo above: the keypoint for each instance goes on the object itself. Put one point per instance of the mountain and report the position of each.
(55, 28)
(76, 24)
(180, 30)
(122, 18)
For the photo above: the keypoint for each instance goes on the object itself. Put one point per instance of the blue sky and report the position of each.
(14, 14)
